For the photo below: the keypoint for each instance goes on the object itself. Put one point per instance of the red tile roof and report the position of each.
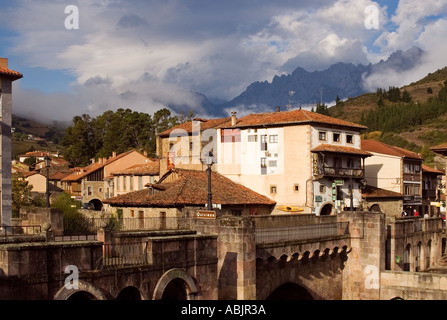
(152, 168)
(299, 116)
(59, 175)
(441, 148)
(426, 168)
(83, 172)
(340, 149)
(204, 124)
(191, 189)
(10, 73)
(380, 147)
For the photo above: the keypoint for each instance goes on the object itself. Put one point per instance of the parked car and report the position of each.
(88, 206)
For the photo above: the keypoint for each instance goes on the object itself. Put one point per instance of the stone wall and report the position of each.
(413, 285)
(38, 216)
(361, 275)
(35, 271)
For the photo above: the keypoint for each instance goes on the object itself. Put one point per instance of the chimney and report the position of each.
(233, 118)
(278, 109)
(145, 153)
(113, 154)
(4, 63)
(93, 160)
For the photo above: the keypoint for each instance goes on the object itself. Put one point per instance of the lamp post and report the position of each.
(47, 160)
(209, 163)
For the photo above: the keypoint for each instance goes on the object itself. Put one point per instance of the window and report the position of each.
(89, 191)
(296, 187)
(236, 212)
(191, 146)
(132, 213)
(118, 183)
(273, 189)
(124, 183)
(273, 138)
(349, 138)
(273, 163)
(264, 143)
(322, 135)
(140, 183)
(100, 190)
(336, 137)
(322, 188)
(263, 162)
(252, 138)
(131, 183)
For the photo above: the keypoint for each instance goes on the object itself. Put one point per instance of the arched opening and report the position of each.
(428, 255)
(129, 293)
(417, 259)
(326, 210)
(97, 204)
(175, 284)
(81, 296)
(375, 208)
(175, 290)
(290, 291)
(407, 257)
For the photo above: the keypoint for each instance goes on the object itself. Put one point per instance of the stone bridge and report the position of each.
(342, 257)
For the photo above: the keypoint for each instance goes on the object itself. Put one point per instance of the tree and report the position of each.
(406, 96)
(22, 197)
(117, 131)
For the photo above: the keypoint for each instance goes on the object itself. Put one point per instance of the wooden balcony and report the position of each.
(338, 172)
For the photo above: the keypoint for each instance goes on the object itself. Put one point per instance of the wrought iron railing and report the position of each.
(303, 232)
(75, 226)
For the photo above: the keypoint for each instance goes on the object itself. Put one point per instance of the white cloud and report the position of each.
(148, 54)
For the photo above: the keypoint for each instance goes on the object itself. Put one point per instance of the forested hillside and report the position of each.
(413, 117)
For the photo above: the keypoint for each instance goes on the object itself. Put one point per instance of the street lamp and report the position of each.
(209, 162)
(47, 160)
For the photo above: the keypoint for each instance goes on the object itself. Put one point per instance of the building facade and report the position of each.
(304, 161)
(395, 169)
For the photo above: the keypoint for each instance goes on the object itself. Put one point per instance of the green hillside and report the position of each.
(413, 117)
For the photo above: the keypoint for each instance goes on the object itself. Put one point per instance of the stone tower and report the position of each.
(7, 76)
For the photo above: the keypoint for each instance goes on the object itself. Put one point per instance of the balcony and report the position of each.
(338, 172)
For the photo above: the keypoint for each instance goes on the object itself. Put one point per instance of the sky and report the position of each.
(82, 56)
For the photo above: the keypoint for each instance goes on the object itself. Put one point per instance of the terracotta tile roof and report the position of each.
(191, 189)
(29, 173)
(340, 149)
(59, 175)
(380, 147)
(152, 168)
(299, 116)
(374, 192)
(426, 168)
(10, 73)
(83, 172)
(441, 148)
(204, 124)
(35, 154)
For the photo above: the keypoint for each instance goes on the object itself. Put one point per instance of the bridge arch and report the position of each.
(85, 291)
(129, 293)
(326, 209)
(375, 208)
(97, 203)
(290, 291)
(175, 284)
